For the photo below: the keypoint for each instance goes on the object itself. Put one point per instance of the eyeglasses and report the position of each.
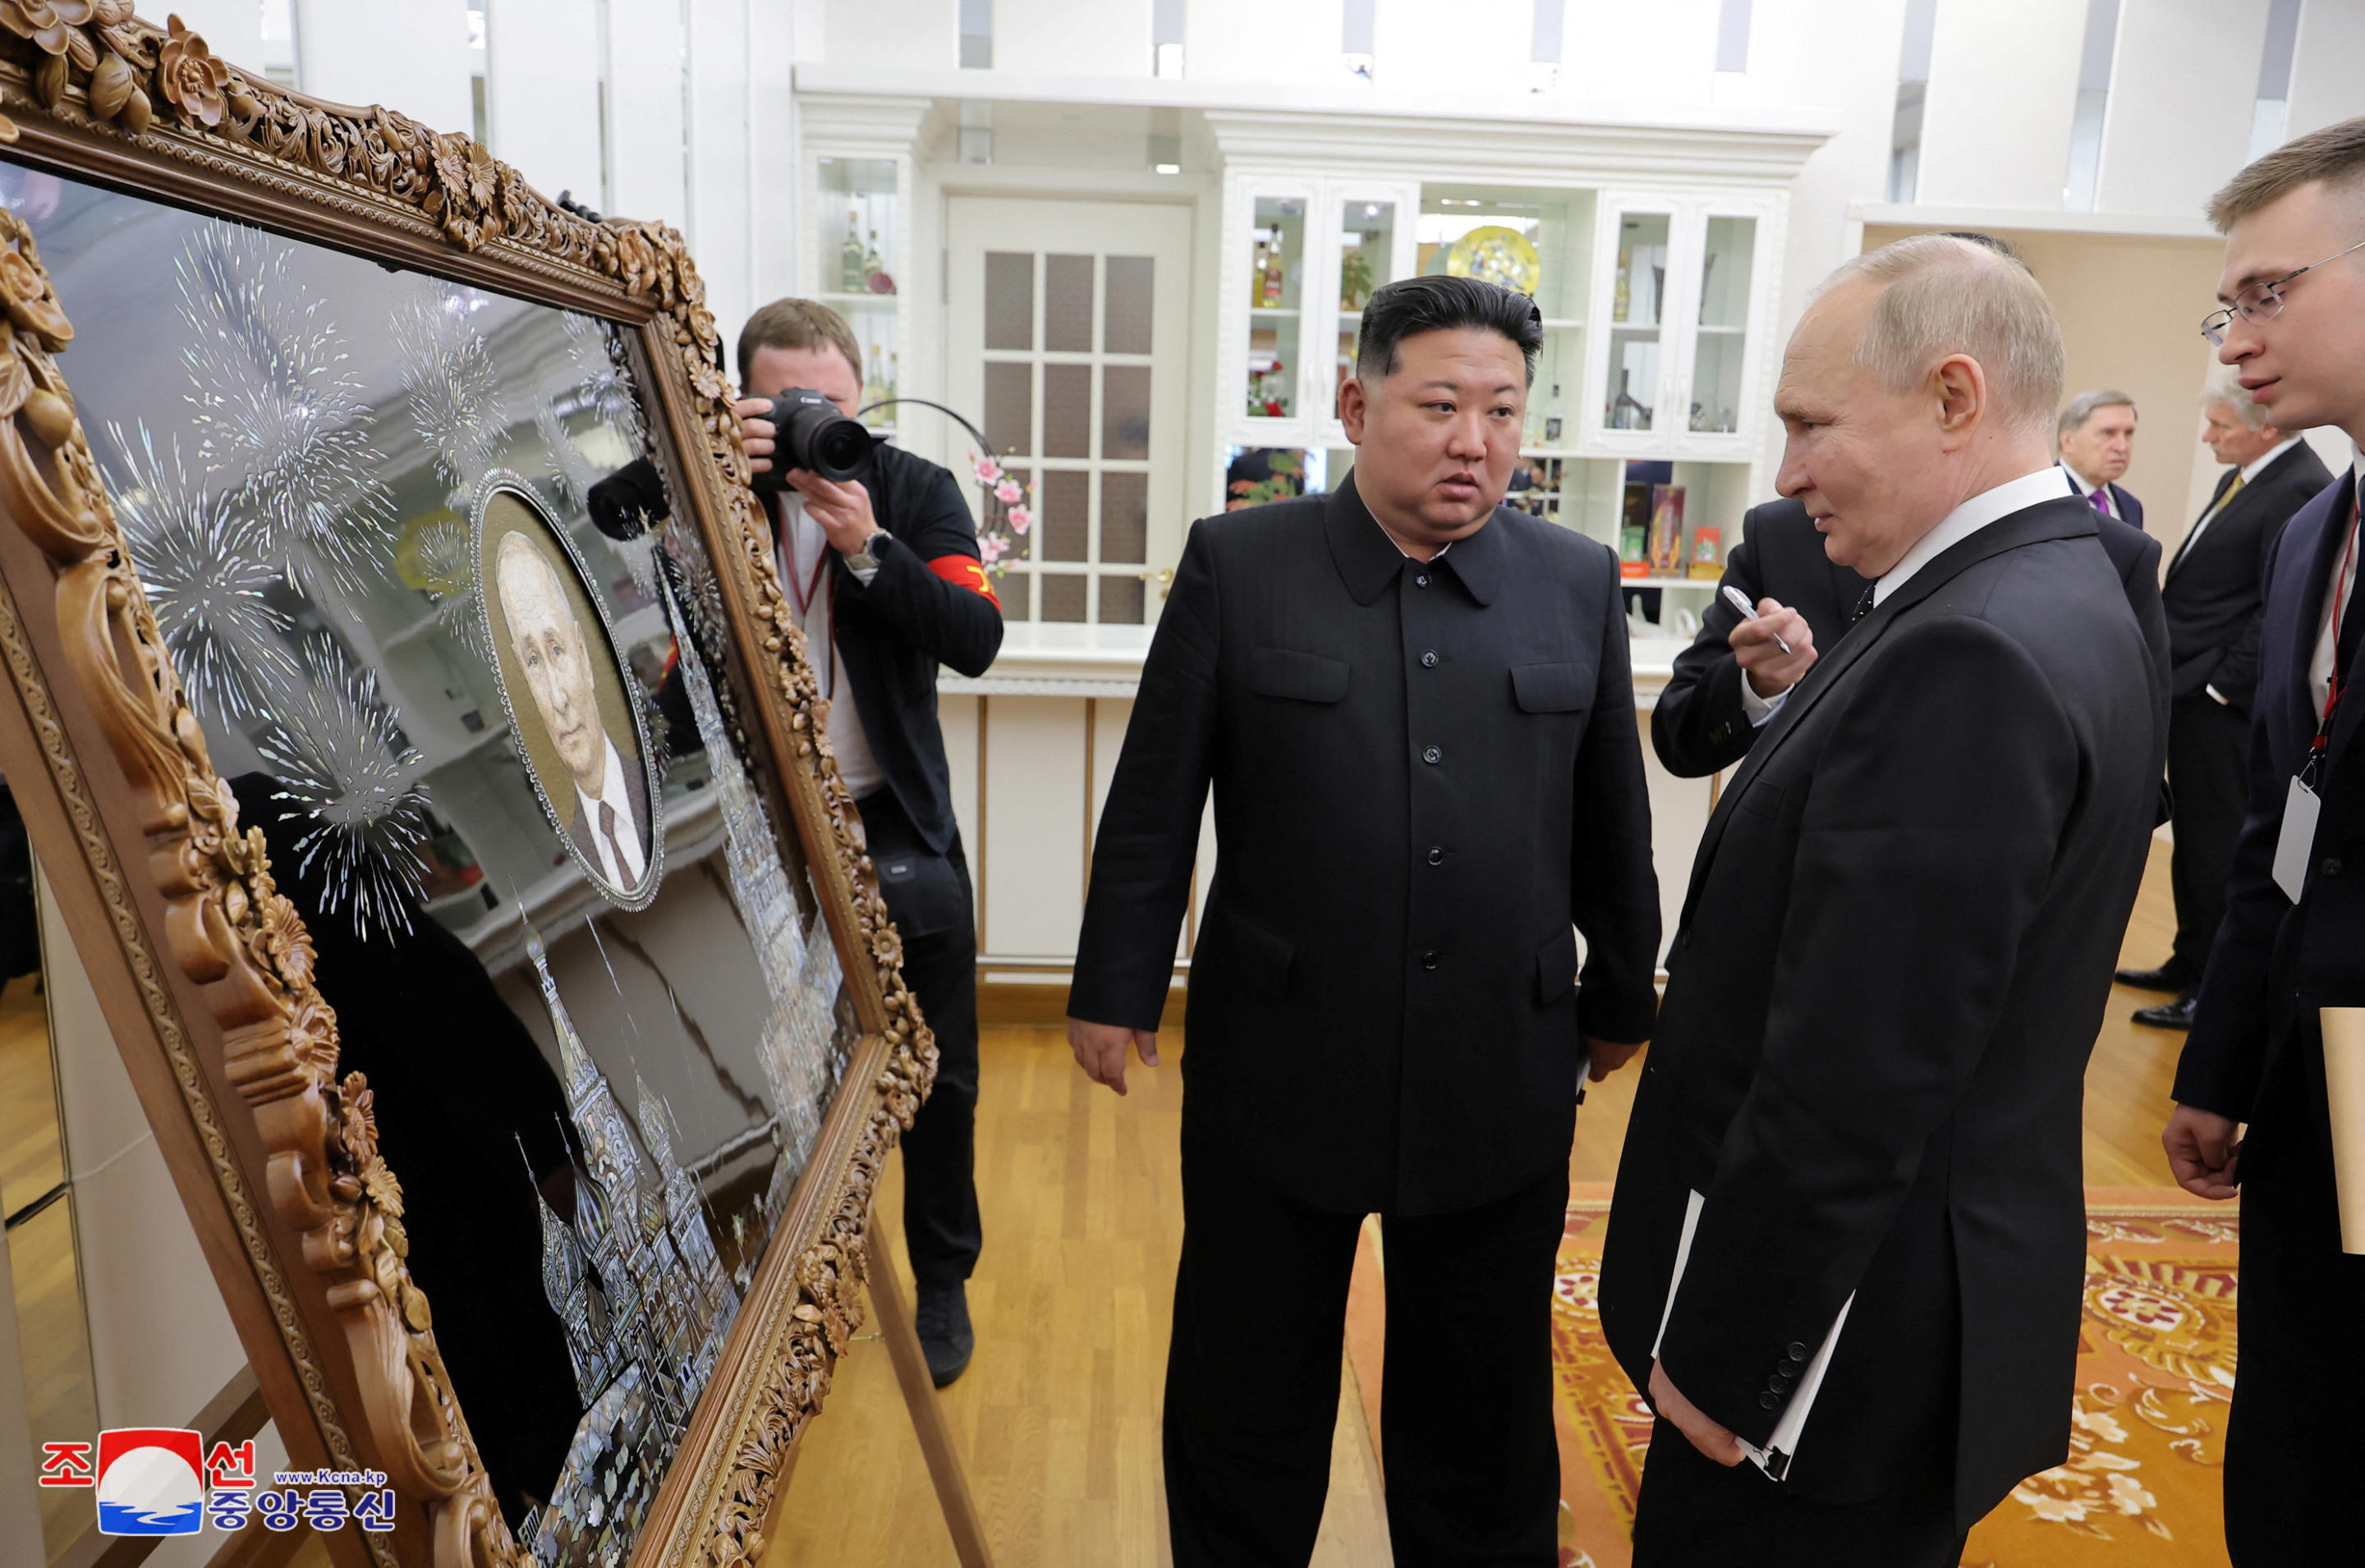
(2259, 302)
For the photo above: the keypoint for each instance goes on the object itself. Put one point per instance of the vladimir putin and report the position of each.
(1849, 1226)
(610, 803)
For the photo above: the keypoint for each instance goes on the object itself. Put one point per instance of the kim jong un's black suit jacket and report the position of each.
(1894, 954)
(1423, 775)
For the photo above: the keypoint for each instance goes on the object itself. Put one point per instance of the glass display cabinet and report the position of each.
(1305, 257)
(855, 263)
(1679, 370)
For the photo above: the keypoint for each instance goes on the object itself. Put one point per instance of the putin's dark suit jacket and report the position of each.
(1894, 955)
(1423, 775)
(2216, 590)
(1699, 726)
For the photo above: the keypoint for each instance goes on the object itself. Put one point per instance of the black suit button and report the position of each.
(1436, 855)
(1428, 660)
(1429, 960)
(1766, 1402)
(1432, 754)
(1779, 1382)
(1421, 580)
(1797, 1352)
(2331, 865)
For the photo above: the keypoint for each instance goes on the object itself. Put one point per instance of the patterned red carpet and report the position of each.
(2155, 1368)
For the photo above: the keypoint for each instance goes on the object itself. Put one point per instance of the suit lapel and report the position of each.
(2208, 515)
(2063, 518)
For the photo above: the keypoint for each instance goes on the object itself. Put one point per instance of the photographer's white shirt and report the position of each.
(802, 547)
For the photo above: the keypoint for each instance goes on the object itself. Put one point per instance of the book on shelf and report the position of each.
(1634, 531)
(1707, 549)
(1666, 530)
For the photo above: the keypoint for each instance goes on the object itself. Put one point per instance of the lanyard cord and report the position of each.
(2334, 685)
(803, 596)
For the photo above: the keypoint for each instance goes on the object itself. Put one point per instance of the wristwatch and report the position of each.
(864, 559)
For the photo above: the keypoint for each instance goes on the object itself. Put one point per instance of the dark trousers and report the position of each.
(1252, 1376)
(1694, 1513)
(2208, 746)
(2291, 1443)
(936, 914)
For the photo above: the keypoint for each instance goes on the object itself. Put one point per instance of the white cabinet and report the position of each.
(1683, 294)
(1301, 259)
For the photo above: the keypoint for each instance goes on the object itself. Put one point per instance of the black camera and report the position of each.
(808, 432)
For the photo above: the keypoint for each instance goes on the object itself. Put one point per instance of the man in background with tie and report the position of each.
(2293, 942)
(2097, 436)
(2215, 598)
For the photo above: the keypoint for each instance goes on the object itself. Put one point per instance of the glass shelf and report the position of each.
(1276, 262)
(1722, 342)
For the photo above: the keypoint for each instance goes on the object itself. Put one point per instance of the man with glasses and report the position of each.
(2216, 599)
(2292, 940)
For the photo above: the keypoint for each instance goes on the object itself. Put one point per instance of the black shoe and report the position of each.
(2177, 1015)
(2174, 975)
(945, 1334)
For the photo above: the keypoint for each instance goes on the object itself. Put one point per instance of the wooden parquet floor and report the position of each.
(1058, 1417)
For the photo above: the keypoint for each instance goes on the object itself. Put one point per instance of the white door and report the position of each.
(1065, 327)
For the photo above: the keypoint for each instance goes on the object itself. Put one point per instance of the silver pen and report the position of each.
(1740, 602)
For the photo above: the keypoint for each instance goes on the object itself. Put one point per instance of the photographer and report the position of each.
(883, 572)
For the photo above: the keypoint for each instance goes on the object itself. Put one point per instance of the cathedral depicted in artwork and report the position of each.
(635, 1279)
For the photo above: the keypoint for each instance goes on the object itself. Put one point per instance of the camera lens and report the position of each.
(812, 435)
(838, 448)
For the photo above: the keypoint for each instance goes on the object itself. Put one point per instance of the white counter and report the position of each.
(1033, 744)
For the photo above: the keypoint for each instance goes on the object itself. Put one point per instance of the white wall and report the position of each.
(1107, 38)
(412, 57)
(1471, 46)
(2178, 124)
(543, 93)
(2003, 85)
(644, 104)
(1258, 41)
(915, 35)
(2326, 84)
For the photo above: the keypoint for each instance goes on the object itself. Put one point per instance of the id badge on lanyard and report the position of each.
(2302, 807)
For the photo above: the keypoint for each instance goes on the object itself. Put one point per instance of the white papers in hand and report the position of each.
(1775, 1458)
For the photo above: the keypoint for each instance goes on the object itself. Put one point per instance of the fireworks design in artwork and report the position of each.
(448, 377)
(279, 413)
(206, 576)
(589, 377)
(345, 771)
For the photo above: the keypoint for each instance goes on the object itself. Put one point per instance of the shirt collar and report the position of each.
(2252, 470)
(2083, 486)
(1369, 558)
(1987, 507)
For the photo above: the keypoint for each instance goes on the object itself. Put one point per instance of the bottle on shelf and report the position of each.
(873, 269)
(1555, 419)
(1270, 283)
(894, 377)
(1256, 268)
(874, 381)
(852, 278)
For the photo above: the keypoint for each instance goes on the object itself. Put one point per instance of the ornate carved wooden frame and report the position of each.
(203, 966)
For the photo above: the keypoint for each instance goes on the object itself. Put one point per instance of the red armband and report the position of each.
(968, 572)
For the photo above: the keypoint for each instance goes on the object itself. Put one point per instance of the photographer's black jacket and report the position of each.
(929, 604)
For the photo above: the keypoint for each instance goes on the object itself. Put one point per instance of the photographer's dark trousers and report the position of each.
(928, 896)
(1252, 1374)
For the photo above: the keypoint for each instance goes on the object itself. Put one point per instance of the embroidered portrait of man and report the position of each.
(574, 722)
